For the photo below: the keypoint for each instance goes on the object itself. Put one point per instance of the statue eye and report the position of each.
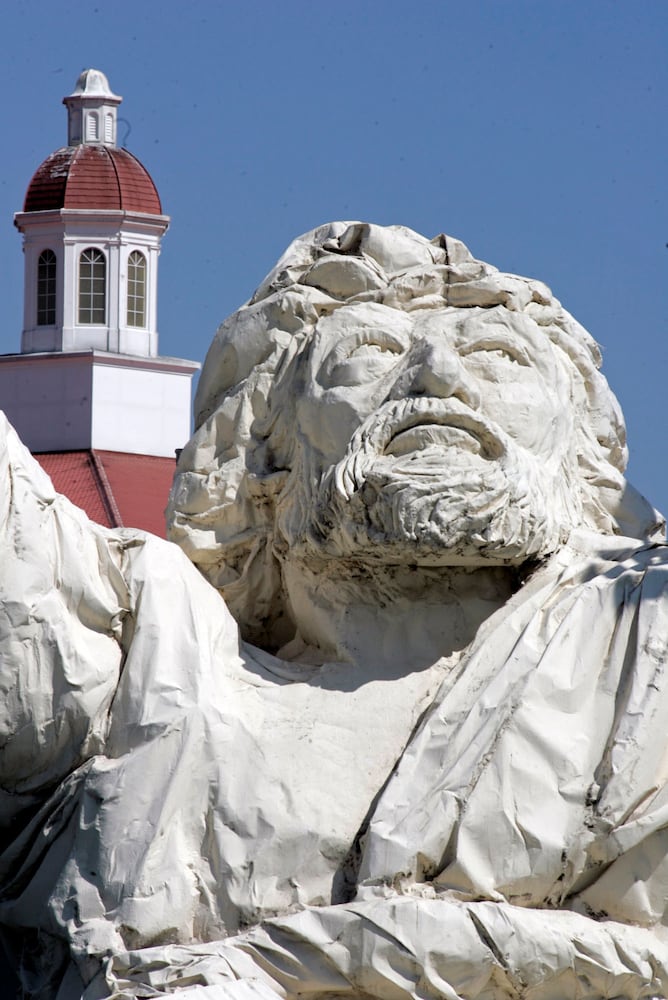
(493, 351)
(359, 358)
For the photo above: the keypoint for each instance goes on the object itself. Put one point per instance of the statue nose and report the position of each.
(438, 371)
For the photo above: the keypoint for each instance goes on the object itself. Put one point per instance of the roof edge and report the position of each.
(106, 492)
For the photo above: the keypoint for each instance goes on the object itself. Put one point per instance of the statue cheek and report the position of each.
(327, 425)
(531, 414)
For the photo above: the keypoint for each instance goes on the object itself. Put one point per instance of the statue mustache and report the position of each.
(412, 419)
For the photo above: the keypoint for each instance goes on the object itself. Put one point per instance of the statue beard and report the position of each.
(429, 484)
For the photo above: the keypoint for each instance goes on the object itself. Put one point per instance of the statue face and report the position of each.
(435, 437)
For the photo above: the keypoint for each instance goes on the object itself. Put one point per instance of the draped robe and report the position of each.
(181, 813)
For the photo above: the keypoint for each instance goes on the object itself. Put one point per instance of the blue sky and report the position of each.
(534, 131)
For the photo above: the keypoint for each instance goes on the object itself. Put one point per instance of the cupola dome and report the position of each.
(91, 172)
(88, 176)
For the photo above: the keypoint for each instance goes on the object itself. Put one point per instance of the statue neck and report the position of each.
(389, 616)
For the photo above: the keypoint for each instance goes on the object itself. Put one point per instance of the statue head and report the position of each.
(389, 400)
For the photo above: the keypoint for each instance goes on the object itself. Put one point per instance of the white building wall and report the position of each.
(49, 405)
(68, 402)
(141, 412)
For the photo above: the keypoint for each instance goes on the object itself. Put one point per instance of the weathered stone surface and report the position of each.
(439, 768)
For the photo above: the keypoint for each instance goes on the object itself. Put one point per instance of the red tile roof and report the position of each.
(114, 488)
(102, 177)
(74, 474)
(140, 485)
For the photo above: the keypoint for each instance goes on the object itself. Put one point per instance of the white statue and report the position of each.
(441, 768)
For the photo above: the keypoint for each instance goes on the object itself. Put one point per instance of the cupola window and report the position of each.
(92, 286)
(46, 288)
(136, 289)
(74, 137)
(92, 127)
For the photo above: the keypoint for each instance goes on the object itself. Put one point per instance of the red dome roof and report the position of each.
(87, 176)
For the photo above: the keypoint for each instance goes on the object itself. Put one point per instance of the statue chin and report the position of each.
(433, 510)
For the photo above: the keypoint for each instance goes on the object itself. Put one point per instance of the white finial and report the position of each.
(91, 110)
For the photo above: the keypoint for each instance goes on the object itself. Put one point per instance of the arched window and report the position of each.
(46, 288)
(92, 286)
(108, 127)
(136, 289)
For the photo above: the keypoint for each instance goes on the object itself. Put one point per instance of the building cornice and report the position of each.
(106, 358)
(91, 217)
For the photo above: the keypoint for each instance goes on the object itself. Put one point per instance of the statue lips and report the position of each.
(424, 435)
(443, 428)
(427, 426)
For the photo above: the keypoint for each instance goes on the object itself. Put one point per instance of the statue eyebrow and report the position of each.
(521, 351)
(383, 338)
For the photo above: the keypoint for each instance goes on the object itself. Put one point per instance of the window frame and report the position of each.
(137, 286)
(47, 288)
(92, 288)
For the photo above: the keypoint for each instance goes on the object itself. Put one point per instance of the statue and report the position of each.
(434, 764)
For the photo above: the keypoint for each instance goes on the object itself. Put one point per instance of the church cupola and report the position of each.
(91, 110)
(90, 374)
(92, 223)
